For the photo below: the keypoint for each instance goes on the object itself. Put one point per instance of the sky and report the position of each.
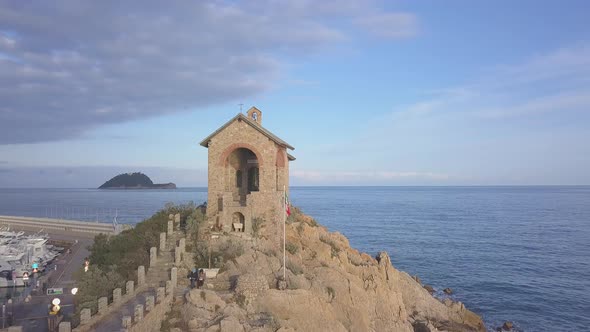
(368, 92)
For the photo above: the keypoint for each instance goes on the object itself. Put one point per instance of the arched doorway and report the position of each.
(253, 179)
(242, 175)
(238, 222)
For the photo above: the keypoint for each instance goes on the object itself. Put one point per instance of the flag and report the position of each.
(287, 205)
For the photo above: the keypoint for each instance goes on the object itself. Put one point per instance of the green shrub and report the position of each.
(300, 228)
(313, 223)
(95, 284)
(270, 252)
(292, 248)
(257, 225)
(114, 259)
(298, 216)
(332, 244)
(241, 300)
(331, 293)
(130, 249)
(219, 254)
(294, 267)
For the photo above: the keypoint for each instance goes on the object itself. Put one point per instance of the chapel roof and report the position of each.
(265, 132)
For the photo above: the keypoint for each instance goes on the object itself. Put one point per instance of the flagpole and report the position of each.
(284, 237)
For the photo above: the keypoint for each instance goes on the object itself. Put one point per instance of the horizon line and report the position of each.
(329, 185)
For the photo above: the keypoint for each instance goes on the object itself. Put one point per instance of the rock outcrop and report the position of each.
(330, 287)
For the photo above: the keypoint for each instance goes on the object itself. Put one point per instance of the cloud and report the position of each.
(523, 123)
(575, 100)
(70, 66)
(555, 82)
(390, 25)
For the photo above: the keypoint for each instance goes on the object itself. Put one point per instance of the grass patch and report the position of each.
(298, 216)
(270, 252)
(333, 245)
(257, 225)
(114, 259)
(300, 228)
(331, 293)
(241, 300)
(225, 252)
(292, 248)
(294, 267)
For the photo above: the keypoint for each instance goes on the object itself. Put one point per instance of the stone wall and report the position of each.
(250, 286)
(87, 320)
(147, 316)
(153, 316)
(273, 174)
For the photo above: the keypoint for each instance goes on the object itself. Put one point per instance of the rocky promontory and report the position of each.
(329, 286)
(135, 180)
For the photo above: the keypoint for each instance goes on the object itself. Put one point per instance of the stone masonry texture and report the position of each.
(228, 201)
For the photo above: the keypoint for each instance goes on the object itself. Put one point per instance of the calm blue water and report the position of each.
(509, 253)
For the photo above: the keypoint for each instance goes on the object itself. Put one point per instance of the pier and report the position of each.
(85, 229)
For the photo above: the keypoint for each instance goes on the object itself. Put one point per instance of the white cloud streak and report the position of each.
(69, 66)
(555, 82)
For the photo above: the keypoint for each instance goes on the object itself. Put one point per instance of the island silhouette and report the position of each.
(135, 180)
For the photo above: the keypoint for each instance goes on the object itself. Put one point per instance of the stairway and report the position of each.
(156, 276)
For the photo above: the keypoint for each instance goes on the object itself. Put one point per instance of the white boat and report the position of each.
(18, 253)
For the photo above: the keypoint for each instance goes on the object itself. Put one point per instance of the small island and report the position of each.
(135, 180)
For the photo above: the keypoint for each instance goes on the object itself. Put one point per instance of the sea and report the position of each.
(510, 253)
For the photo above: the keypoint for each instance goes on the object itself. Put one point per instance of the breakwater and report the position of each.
(80, 228)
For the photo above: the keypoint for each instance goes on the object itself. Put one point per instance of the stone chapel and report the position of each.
(248, 169)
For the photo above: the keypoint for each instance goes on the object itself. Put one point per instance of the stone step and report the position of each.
(158, 270)
(161, 276)
(158, 277)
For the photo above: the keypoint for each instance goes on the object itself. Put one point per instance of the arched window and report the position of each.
(253, 179)
(239, 178)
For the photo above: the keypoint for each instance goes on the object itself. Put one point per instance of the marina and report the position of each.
(26, 304)
(22, 255)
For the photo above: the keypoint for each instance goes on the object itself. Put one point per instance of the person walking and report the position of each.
(192, 276)
(201, 279)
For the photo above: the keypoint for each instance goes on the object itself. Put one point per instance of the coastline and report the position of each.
(450, 237)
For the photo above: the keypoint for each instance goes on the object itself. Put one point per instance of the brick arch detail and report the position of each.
(233, 147)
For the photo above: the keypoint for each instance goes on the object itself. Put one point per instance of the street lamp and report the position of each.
(54, 311)
(55, 307)
(74, 290)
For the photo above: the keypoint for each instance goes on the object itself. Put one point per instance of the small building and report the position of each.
(248, 173)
